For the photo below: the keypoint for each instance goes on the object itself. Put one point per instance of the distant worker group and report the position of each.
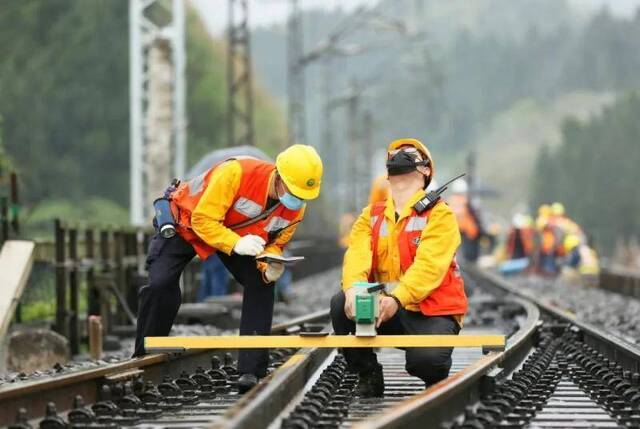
(551, 244)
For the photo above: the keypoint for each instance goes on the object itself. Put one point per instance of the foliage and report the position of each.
(5, 165)
(471, 62)
(595, 172)
(64, 97)
(207, 98)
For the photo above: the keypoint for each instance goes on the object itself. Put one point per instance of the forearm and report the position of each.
(214, 233)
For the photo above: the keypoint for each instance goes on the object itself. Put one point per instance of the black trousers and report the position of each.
(430, 364)
(160, 299)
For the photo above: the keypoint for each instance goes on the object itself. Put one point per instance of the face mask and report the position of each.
(401, 163)
(291, 202)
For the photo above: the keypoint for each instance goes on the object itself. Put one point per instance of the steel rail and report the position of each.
(615, 348)
(264, 403)
(447, 399)
(271, 396)
(62, 389)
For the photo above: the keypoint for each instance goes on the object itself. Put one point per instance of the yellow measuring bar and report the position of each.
(329, 341)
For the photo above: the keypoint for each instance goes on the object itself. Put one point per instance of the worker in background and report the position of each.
(414, 254)
(344, 228)
(237, 209)
(544, 211)
(577, 255)
(547, 241)
(520, 240)
(589, 261)
(379, 189)
(468, 220)
(214, 279)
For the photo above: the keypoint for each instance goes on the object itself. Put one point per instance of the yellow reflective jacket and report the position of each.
(438, 244)
(208, 216)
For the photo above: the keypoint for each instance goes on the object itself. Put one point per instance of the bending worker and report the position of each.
(393, 244)
(239, 209)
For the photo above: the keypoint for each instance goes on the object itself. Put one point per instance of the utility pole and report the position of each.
(353, 112)
(366, 177)
(471, 171)
(327, 151)
(295, 78)
(239, 82)
(156, 101)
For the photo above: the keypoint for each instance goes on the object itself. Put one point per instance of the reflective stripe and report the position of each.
(196, 185)
(384, 231)
(276, 223)
(416, 223)
(247, 207)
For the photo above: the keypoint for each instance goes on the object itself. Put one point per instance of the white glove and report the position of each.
(273, 272)
(249, 245)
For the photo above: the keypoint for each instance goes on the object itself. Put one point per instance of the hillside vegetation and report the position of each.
(594, 171)
(64, 101)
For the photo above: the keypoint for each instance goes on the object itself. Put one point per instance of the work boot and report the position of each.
(371, 383)
(246, 382)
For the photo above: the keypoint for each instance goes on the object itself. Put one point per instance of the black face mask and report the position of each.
(402, 163)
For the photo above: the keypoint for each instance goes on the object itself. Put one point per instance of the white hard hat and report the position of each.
(459, 187)
(518, 220)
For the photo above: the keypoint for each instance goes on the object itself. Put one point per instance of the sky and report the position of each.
(267, 12)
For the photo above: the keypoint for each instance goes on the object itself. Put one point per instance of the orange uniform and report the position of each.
(249, 200)
(448, 298)
(469, 227)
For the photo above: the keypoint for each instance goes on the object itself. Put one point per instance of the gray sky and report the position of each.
(265, 12)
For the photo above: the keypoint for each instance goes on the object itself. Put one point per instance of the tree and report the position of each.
(64, 96)
(594, 172)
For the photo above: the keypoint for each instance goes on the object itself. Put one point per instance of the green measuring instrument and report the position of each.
(366, 307)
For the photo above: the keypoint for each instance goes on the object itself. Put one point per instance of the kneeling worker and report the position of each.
(394, 244)
(239, 209)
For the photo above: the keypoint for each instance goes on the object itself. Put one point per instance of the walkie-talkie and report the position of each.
(432, 197)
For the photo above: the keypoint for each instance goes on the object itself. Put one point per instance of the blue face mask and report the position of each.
(291, 202)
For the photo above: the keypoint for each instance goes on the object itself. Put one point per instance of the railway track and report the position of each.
(554, 372)
(177, 390)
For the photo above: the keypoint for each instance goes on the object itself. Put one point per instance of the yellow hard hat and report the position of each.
(557, 209)
(544, 210)
(300, 167)
(571, 241)
(418, 145)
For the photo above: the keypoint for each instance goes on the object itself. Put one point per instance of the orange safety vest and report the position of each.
(250, 200)
(466, 222)
(527, 235)
(449, 297)
(552, 238)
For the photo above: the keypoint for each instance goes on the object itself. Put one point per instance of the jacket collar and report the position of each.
(407, 210)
